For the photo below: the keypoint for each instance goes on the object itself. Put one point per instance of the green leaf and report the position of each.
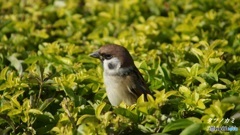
(200, 104)
(18, 93)
(15, 102)
(3, 73)
(204, 43)
(200, 79)
(46, 128)
(142, 105)
(170, 93)
(197, 52)
(181, 71)
(194, 70)
(219, 86)
(216, 61)
(219, 43)
(14, 112)
(232, 99)
(99, 110)
(127, 113)
(185, 91)
(226, 81)
(5, 106)
(185, 28)
(143, 65)
(26, 104)
(188, 51)
(86, 118)
(40, 33)
(195, 119)
(160, 134)
(150, 98)
(216, 109)
(33, 59)
(46, 103)
(46, 116)
(178, 124)
(8, 120)
(194, 129)
(64, 60)
(141, 99)
(16, 63)
(35, 111)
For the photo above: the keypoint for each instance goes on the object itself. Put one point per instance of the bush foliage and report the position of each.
(187, 50)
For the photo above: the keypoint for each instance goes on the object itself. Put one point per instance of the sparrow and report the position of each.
(123, 81)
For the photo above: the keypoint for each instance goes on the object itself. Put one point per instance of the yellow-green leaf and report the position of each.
(3, 73)
(99, 110)
(35, 111)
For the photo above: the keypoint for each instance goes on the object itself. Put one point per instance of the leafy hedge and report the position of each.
(187, 50)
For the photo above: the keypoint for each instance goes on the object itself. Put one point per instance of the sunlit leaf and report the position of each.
(86, 118)
(201, 105)
(141, 99)
(35, 111)
(3, 73)
(216, 109)
(15, 102)
(181, 71)
(194, 70)
(14, 112)
(219, 86)
(6, 106)
(127, 113)
(197, 52)
(150, 98)
(16, 63)
(185, 91)
(99, 110)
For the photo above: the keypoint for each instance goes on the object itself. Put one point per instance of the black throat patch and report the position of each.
(111, 66)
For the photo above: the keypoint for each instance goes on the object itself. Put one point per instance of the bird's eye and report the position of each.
(107, 56)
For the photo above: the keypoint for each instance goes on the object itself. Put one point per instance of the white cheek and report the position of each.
(113, 61)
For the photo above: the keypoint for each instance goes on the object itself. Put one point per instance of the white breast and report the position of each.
(116, 87)
(117, 91)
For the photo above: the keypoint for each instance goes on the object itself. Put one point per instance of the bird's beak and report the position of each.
(95, 54)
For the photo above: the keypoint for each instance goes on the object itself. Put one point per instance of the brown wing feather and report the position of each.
(137, 84)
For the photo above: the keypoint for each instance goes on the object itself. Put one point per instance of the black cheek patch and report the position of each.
(111, 66)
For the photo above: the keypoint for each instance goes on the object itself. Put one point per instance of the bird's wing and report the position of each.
(137, 85)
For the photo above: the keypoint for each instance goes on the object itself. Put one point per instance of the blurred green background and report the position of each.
(187, 50)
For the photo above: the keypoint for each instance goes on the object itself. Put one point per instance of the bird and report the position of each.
(122, 79)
